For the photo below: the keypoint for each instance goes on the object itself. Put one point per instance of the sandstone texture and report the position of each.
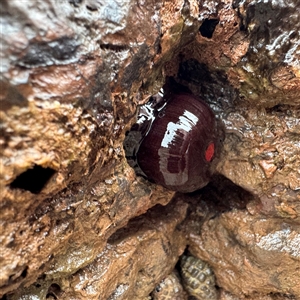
(76, 222)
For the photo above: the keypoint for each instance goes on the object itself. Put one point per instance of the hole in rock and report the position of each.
(208, 27)
(159, 49)
(18, 276)
(33, 180)
(76, 3)
(54, 291)
(24, 273)
(195, 72)
(282, 110)
(93, 5)
(91, 8)
(116, 48)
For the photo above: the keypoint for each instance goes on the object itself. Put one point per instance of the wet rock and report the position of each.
(65, 110)
(141, 251)
(273, 51)
(72, 75)
(241, 244)
(227, 296)
(252, 244)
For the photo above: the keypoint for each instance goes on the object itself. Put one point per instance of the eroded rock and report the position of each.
(252, 244)
(140, 252)
(72, 75)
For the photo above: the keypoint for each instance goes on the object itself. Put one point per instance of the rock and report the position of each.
(65, 112)
(72, 75)
(138, 253)
(253, 244)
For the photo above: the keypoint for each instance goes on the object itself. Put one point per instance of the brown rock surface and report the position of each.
(250, 254)
(75, 221)
(253, 244)
(138, 253)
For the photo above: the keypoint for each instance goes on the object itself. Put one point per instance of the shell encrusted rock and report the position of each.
(198, 278)
(178, 150)
(169, 288)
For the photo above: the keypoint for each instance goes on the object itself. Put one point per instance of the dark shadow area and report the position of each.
(54, 291)
(208, 27)
(222, 195)
(24, 273)
(115, 48)
(11, 96)
(75, 3)
(282, 110)
(93, 5)
(57, 52)
(193, 71)
(210, 86)
(33, 180)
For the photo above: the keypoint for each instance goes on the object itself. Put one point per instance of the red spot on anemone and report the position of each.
(209, 153)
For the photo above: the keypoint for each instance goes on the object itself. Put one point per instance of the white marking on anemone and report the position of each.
(186, 122)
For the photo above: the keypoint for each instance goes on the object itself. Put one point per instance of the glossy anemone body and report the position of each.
(179, 148)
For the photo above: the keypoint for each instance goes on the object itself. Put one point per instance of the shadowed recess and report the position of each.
(56, 52)
(76, 3)
(33, 180)
(223, 195)
(54, 291)
(208, 27)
